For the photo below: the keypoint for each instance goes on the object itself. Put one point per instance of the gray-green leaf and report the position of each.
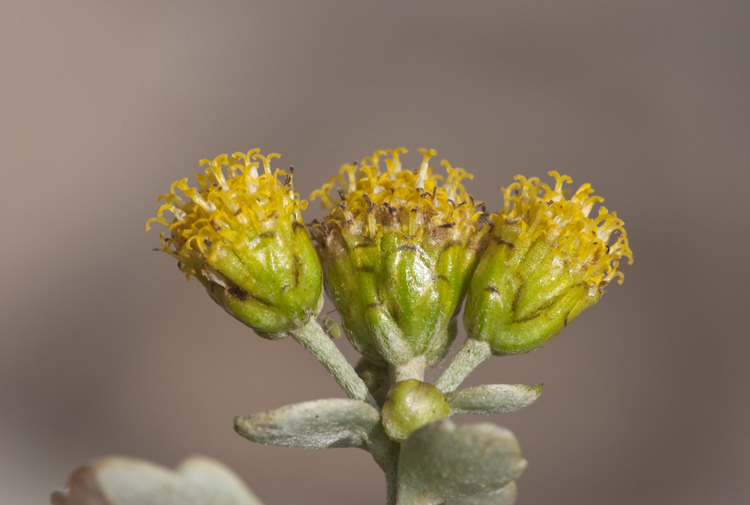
(503, 496)
(117, 480)
(442, 461)
(493, 398)
(312, 425)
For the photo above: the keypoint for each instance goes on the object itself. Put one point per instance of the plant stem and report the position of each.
(391, 486)
(319, 344)
(414, 369)
(471, 354)
(385, 452)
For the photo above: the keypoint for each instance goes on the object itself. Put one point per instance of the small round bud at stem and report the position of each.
(411, 404)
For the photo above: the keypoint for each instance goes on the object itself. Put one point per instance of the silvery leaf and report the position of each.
(493, 398)
(116, 480)
(442, 461)
(312, 425)
(503, 496)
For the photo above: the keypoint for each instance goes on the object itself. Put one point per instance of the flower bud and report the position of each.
(411, 404)
(546, 261)
(242, 236)
(398, 249)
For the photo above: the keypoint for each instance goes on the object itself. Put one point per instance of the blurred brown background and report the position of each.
(104, 348)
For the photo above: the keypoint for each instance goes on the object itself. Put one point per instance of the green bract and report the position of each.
(275, 287)
(397, 296)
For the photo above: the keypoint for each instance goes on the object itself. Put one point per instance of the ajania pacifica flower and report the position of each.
(546, 261)
(241, 234)
(398, 249)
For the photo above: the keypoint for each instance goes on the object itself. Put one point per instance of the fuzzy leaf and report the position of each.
(493, 398)
(116, 480)
(312, 425)
(442, 461)
(503, 496)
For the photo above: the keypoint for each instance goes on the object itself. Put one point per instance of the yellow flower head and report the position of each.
(547, 261)
(370, 201)
(398, 249)
(226, 212)
(241, 234)
(533, 209)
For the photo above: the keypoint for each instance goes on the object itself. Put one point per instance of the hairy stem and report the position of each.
(391, 486)
(385, 452)
(414, 369)
(319, 344)
(471, 354)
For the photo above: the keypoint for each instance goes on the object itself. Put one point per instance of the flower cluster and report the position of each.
(398, 253)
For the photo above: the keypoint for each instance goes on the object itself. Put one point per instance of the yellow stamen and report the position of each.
(267, 161)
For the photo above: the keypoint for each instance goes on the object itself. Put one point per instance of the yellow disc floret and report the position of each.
(411, 201)
(533, 209)
(226, 212)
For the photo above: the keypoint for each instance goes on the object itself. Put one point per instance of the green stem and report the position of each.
(391, 486)
(414, 369)
(385, 452)
(319, 344)
(471, 354)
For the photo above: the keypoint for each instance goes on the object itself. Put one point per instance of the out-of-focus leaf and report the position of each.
(503, 496)
(442, 461)
(117, 480)
(493, 398)
(313, 425)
